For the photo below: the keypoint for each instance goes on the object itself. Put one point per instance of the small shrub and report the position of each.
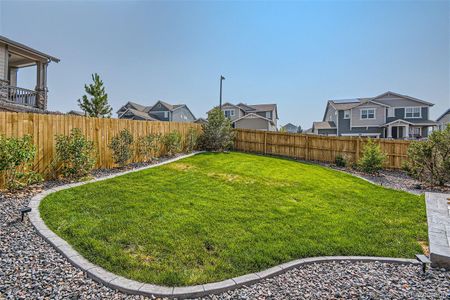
(340, 161)
(148, 146)
(121, 145)
(218, 133)
(75, 155)
(429, 161)
(372, 159)
(191, 140)
(172, 143)
(16, 158)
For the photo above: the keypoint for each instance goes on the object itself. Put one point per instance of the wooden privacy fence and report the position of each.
(315, 147)
(44, 127)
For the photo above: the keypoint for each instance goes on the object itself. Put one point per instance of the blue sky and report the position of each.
(295, 54)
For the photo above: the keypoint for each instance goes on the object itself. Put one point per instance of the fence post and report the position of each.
(357, 149)
(307, 148)
(265, 142)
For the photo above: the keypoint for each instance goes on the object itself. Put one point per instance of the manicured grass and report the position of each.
(214, 216)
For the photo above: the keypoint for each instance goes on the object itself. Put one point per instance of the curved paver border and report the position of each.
(139, 288)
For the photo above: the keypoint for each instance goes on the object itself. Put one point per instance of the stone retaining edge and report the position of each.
(129, 286)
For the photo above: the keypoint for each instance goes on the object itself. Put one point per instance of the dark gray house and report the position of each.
(161, 111)
(289, 127)
(389, 115)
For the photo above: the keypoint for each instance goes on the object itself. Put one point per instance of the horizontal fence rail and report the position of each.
(315, 147)
(44, 127)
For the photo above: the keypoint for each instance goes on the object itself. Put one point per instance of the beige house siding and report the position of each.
(380, 116)
(398, 101)
(253, 123)
(237, 112)
(3, 62)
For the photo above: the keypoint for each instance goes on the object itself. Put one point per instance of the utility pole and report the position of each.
(220, 101)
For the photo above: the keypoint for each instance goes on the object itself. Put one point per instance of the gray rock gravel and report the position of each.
(31, 269)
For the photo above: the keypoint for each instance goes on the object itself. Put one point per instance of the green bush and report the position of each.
(191, 140)
(429, 161)
(340, 161)
(75, 155)
(372, 159)
(16, 159)
(121, 146)
(217, 134)
(172, 143)
(148, 146)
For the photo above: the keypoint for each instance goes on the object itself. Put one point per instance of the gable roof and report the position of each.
(139, 114)
(444, 114)
(253, 116)
(289, 125)
(324, 125)
(402, 96)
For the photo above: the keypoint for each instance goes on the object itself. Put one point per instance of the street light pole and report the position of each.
(220, 101)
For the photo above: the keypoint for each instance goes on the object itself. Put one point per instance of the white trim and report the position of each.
(367, 109)
(349, 113)
(413, 107)
(252, 114)
(401, 121)
(232, 112)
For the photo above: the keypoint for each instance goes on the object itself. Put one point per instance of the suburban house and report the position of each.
(13, 57)
(255, 116)
(444, 120)
(389, 115)
(289, 127)
(201, 121)
(161, 111)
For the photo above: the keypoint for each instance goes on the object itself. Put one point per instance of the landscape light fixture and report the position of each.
(23, 211)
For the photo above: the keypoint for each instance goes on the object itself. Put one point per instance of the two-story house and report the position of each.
(161, 111)
(14, 57)
(389, 115)
(255, 116)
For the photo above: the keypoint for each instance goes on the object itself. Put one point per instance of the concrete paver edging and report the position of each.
(139, 288)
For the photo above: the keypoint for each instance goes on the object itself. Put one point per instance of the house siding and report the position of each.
(326, 131)
(3, 63)
(253, 123)
(399, 113)
(237, 112)
(398, 102)
(444, 121)
(182, 115)
(380, 113)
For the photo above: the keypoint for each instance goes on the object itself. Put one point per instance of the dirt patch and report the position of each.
(180, 166)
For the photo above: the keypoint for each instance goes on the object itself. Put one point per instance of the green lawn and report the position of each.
(214, 216)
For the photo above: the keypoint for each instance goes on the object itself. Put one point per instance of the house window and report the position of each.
(415, 131)
(367, 113)
(229, 113)
(413, 112)
(268, 115)
(346, 114)
(166, 114)
(390, 112)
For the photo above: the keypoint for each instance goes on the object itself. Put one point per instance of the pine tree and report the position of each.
(97, 105)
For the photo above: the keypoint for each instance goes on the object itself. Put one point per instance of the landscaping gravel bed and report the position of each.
(396, 179)
(31, 269)
(347, 280)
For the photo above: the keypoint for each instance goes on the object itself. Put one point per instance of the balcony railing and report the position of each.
(22, 96)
